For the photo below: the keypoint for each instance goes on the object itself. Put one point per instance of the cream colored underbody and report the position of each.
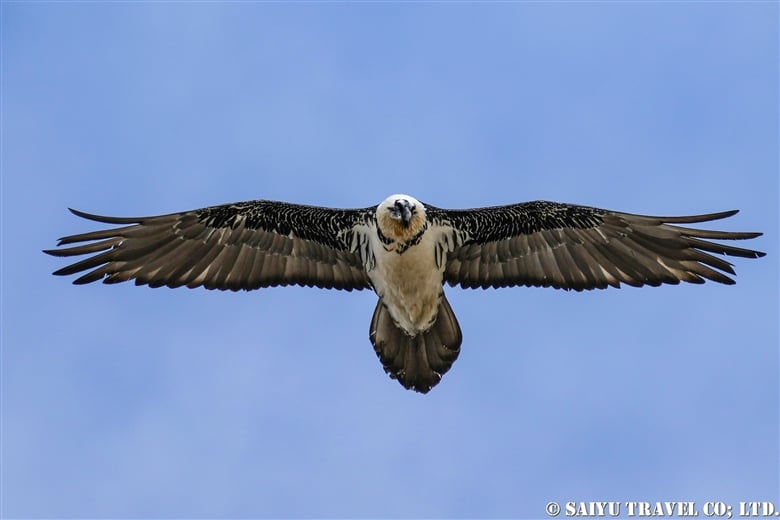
(410, 283)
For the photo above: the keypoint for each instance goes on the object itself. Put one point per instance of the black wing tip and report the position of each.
(82, 214)
(67, 270)
(81, 281)
(694, 219)
(104, 218)
(725, 214)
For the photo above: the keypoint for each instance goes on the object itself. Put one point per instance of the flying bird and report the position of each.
(404, 250)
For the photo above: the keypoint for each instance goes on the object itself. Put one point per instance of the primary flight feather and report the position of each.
(405, 250)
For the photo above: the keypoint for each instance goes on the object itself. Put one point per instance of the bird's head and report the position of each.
(400, 217)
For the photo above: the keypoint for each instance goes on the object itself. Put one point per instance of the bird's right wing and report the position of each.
(246, 245)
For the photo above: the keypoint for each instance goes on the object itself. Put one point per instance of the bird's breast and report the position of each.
(409, 283)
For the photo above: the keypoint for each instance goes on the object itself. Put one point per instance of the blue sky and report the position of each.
(120, 401)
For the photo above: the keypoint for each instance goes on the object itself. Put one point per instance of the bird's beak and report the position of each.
(406, 215)
(402, 211)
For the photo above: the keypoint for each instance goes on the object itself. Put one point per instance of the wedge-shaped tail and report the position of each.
(417, 362)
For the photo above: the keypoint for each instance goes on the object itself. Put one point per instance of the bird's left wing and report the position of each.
(568, 246)
(246, 245)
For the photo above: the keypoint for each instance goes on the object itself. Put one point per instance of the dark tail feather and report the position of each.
(417, 362)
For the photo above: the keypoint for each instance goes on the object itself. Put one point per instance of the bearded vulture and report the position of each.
(404, 250)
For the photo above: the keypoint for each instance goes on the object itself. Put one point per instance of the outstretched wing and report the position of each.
(246, 245)
(566, 246)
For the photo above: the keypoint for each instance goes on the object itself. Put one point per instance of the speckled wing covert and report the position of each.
(566, 246)
(245, 245)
